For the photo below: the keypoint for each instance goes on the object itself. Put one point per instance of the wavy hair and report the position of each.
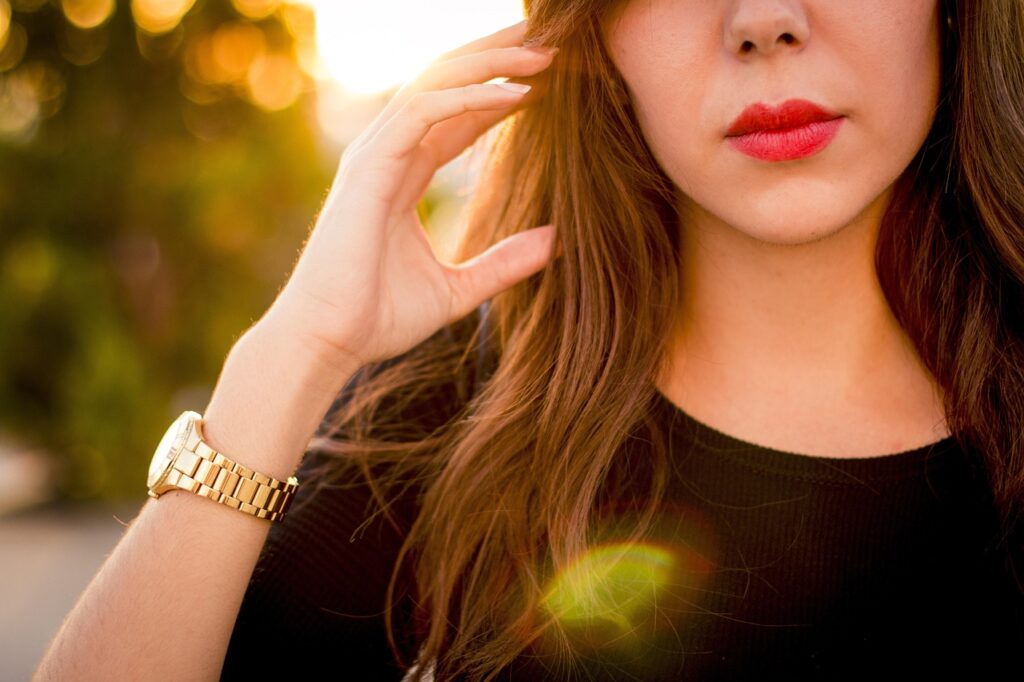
(510, 477)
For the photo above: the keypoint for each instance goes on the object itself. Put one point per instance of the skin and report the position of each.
(785, 338)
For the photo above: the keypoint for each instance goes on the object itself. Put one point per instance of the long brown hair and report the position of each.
(510, 477)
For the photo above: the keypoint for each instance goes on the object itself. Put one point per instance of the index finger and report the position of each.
(510, 35)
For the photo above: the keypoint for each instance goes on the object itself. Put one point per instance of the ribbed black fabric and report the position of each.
(314, 605)
(814, 568)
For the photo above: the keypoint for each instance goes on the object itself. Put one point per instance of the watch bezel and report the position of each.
(169, 447)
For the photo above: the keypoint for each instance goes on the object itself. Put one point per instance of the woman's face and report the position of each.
(693, 66)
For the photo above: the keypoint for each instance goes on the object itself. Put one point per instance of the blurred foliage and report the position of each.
(160, 170)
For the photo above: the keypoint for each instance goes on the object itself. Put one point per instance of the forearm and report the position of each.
(164, 602)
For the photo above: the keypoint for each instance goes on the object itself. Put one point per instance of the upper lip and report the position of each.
(789, 114)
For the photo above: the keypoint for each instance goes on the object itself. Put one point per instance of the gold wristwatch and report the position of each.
(184, 461)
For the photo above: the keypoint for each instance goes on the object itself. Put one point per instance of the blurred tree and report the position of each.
(160, 169)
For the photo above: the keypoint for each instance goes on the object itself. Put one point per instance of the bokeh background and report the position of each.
(161, 163)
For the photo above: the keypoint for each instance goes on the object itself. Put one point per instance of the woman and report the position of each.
(752, 413)
(845, 292)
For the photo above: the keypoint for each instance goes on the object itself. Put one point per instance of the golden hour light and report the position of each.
(273, 81)
(87, 13)
(225, 55)
(12, 46)
(674, 340)
(256, 9)
(369, 47)
(5, 21)
(159, 16)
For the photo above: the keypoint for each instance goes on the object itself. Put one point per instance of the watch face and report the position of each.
(169, 446)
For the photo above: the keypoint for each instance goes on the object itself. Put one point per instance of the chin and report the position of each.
(787, 227)
(787, 236)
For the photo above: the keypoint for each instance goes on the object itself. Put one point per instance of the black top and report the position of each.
(798, 567)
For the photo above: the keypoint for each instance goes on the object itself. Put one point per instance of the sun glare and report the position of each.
(368, 47)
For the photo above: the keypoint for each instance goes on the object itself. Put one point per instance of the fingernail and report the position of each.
(545, 49)
(514, 87)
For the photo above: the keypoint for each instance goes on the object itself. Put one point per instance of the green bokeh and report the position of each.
(134, 251)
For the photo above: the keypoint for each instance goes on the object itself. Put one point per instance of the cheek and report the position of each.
(898, 79)
(675, 133)
(672, 80)
(669, 52)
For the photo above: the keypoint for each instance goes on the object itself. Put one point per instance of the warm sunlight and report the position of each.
(364, 50)
(368, 47)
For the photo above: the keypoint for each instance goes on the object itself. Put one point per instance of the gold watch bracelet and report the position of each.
(204, 471)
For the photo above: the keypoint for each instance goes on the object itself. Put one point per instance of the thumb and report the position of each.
(502, 265)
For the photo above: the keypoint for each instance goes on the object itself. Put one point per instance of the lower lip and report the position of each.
(788, 144)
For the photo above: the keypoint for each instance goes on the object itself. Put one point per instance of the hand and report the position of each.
(368, 285)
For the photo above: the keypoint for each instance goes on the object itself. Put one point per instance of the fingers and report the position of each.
(504, 264)
(444, 142)
(474, 68)
(450, 88)
(464, 70)
(447, 139)
(401, 135)
(381, 165)
(510, 35)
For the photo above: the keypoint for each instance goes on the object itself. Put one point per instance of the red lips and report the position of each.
(790, 114)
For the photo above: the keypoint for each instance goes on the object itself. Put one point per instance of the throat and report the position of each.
(857, 419)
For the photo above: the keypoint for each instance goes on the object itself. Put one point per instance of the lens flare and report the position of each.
(626, 601)
(615, 584)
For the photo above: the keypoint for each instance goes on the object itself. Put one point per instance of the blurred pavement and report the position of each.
(48, 555)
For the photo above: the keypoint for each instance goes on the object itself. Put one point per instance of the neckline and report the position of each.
(894, 465)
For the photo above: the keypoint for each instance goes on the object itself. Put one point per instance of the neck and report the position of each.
(795, 333)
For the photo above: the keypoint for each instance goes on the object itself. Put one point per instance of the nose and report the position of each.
(765, 26)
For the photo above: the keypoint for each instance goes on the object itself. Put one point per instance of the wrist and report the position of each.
(270, 398)
(313, 357)
(284, 324)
